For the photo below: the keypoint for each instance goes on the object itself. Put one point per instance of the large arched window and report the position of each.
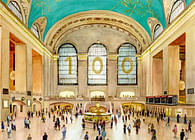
(35, 30)
(127, 64)
(157, 30)
(97, 64)
(14, 7)
(67, 65)
(177, 8)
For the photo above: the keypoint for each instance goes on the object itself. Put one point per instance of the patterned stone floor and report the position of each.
(75, 132)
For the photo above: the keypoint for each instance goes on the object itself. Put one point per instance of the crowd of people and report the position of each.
(62, 116)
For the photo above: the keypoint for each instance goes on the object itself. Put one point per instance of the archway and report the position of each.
(132, 106)
(61, 106)
(36, 106)
(18, 108)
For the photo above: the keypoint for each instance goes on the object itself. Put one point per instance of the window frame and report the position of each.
(17, 8)
(182, 1)
(126, 84)
(156, 29)
(89, 84)
(62, 84)
(37, 27)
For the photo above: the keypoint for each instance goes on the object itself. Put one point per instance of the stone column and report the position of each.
(44, 76)
(29, 77)
(112, 75)
(4, 70)
(174, 70)
(52, 77)
(171, 69)
(49, 76)
(165, 69)
(29, 69)
(20, 68)
(82, 75)
(157, 76)
(139, 77)
(190, 64)
(55, 76)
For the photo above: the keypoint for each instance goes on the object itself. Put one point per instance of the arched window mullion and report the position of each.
(35, 30)
(177, 8)
(97, 65)
(67, 65)
(14, 7)
(157, 30)
(127, 65)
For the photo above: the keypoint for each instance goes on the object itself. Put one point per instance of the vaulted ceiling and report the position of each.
(55, 10)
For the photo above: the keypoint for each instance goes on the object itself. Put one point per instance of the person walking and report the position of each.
(168, 121)
(186, 135)
(190, 126)
(153, 135)
(86, 136)
(45, 136)
(29, 137)
(175, 131)
(185, 119)
(99, 137)
(103, 134)
(178, 117)
(94, 125)
(182, 134)
(124, 128)
(8, 131)
(129, 128)
(2, 126)
(63, 132)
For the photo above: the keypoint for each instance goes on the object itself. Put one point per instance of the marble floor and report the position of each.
(75, 132)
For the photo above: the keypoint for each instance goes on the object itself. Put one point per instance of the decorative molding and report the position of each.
(185, 16)
(167, 4)
(112, 57)
(132, 39)
(25, 6)
(41, 23)
(82, 56)
(152, 22)
(109, 18)
(19, 26)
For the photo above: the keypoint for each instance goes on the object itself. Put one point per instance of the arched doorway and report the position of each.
(36, 106)
(132, 106)
(19, 108)
(61, 106)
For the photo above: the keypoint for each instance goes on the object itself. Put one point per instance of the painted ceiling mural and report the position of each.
(55, 10)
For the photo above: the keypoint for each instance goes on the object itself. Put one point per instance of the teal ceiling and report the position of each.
(56, 10)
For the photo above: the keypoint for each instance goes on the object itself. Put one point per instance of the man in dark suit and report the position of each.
(45, 136)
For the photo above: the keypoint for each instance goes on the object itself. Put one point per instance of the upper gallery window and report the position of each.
(177, 8)
(157, 30)
(14, 7)
(97, 64)
(35, 30)
(127, 64)
(67, 65)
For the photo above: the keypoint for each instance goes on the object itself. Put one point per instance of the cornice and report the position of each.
(23, 29)
(177, 23)
(97, 17)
